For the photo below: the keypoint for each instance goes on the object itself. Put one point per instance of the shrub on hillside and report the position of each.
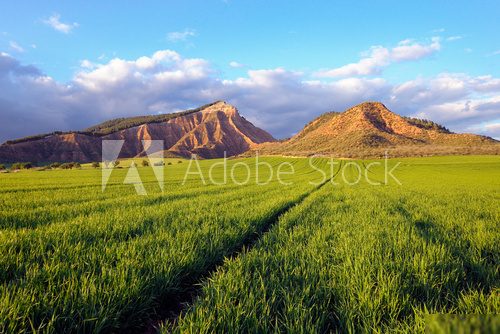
(55, 165)
(22, 165)
(145, 163)
(2, 167)
(67, 165)
(96, 165)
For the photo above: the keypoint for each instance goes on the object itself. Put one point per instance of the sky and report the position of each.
(66, 65)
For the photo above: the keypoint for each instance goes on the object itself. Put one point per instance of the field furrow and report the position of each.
(364, 259)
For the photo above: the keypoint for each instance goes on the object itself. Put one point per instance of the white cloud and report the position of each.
(279, 100)
(179, 36)
(454, 38)
(380, 57)
(235, 64)
(87, 64)
(459, 101)
(55, 22)
(16, 47)
(493, 130)
(415, 51)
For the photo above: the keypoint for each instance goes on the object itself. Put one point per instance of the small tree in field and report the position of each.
(2, 167)
(55, 165)
(145, 163)
(96, 165)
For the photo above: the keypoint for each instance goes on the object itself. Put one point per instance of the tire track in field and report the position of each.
(168, 313)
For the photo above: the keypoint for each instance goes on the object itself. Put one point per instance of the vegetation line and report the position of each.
(169, 313)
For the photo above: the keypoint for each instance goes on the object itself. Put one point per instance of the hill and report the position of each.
(208, 131)
(369, 129)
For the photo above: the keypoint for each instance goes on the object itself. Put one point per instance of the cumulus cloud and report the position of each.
(380, 57)
(459, 101)
(54, 21)
(492, 129)
(30, 102)
(87, 64)
(179, 36)
(278, 100)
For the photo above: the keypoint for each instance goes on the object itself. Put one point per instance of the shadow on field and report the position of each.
(171, 305)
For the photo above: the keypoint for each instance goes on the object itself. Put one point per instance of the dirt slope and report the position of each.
(370, 129)
(208, 133)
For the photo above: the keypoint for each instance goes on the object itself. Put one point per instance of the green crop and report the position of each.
(301, 255)
(74, 258)
(367, 258)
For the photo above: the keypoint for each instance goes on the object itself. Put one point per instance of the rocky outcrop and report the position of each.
(209, 133)
(369, 129)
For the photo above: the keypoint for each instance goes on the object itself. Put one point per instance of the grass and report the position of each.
(75, 258)
(258, 258)
(366, 258)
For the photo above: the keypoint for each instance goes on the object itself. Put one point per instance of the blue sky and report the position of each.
(433, 59)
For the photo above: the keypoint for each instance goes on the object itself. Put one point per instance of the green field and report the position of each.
(302, 253)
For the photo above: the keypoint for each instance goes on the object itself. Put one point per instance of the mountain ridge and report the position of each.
(217, 129)
(208, 131)
(369, 129)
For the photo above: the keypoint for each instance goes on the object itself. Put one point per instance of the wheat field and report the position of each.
(307, 252)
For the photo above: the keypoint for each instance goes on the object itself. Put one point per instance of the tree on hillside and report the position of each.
(145, 163)
(95, 165)
(22, 165)
(16, 166)
(67, 165)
